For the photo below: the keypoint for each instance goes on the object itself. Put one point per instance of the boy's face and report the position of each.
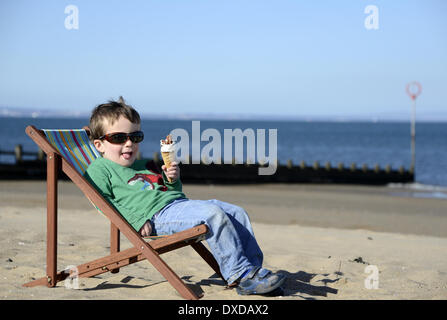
(123, 154)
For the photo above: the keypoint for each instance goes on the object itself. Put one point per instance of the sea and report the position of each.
(370, 143)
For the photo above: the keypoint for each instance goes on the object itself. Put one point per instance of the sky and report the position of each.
(267, 58)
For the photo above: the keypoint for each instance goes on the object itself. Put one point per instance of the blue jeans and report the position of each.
(230, 237)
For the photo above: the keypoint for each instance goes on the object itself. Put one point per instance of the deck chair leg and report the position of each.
(200, 248)
(114, 243)
(52, 171)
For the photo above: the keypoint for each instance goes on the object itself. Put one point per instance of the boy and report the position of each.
(153, 205)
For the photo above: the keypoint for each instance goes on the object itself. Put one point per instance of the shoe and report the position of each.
(278, 292)
(260, 281)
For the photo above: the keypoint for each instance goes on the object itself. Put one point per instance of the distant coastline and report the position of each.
(13, 112)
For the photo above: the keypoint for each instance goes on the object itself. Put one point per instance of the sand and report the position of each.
(333, 242)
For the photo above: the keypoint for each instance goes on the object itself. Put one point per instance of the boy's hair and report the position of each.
(110, 111)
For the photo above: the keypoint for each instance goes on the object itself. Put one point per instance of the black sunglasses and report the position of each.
(122, 137)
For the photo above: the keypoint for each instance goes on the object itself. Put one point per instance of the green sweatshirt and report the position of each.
(136, 192)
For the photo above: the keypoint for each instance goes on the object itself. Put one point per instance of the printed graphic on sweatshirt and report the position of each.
(149, 181)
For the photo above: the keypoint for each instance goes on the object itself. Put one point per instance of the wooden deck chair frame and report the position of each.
(141, 249)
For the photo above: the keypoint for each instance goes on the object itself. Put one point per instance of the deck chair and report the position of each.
(71, 151)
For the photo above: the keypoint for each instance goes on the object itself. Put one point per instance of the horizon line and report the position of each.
(8, 112)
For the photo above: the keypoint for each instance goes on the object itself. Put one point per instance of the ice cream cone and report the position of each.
(168, 152)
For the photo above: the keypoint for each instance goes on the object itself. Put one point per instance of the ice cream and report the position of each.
(168, 147)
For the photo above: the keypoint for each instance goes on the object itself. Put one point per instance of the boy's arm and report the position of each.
(175, 185)
(173, 173)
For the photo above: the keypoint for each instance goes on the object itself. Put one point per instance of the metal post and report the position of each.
(413, 89)
(413, 136)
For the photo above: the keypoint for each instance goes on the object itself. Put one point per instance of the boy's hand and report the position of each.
(146, 229)
(173, 172)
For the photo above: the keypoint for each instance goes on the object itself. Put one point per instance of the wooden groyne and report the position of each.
(302, 172)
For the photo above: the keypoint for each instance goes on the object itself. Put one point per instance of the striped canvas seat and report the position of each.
(75, 146)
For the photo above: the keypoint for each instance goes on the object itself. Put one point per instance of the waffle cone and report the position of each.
(168, 158)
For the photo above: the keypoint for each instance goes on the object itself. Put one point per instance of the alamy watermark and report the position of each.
(72, 20)
(372, 20)
(212, 151)
(72, 280)
(372, 281)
